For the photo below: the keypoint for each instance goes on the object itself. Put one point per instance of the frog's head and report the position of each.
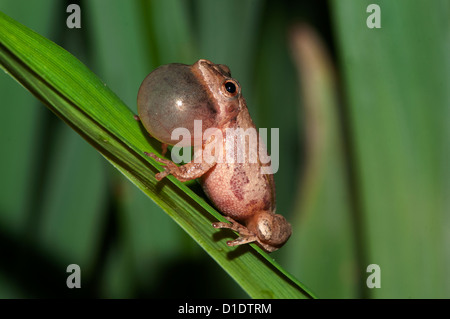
(175, 95)
(222, 89)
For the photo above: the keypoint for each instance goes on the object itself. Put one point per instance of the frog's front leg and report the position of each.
(186, 172)
(246, 236)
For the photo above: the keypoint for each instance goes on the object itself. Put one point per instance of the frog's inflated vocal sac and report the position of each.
(174, 96)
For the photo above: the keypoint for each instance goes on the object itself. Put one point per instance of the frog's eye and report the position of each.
(231, 88)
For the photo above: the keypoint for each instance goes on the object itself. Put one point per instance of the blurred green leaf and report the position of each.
(77, 96)
(398, 106)
(323, 208)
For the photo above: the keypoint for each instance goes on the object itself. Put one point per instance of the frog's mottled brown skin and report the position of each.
(239, 190)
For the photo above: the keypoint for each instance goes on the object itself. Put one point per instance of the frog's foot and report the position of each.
(170, 168)
(246, 236)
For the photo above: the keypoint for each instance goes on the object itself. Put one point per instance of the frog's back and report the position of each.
(240, 188)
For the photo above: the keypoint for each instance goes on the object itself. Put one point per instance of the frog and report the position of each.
(178, 95)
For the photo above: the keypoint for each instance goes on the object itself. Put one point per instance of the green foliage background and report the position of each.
(376, 192)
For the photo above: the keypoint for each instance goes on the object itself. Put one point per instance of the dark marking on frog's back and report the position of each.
(237, 182)
(267, 202)
(251, 203)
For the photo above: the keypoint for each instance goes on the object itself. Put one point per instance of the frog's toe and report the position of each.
(242, 240)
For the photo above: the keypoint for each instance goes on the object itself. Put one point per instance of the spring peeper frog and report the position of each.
(177, 95)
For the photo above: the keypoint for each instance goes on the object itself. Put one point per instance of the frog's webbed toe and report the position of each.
(168, 169)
